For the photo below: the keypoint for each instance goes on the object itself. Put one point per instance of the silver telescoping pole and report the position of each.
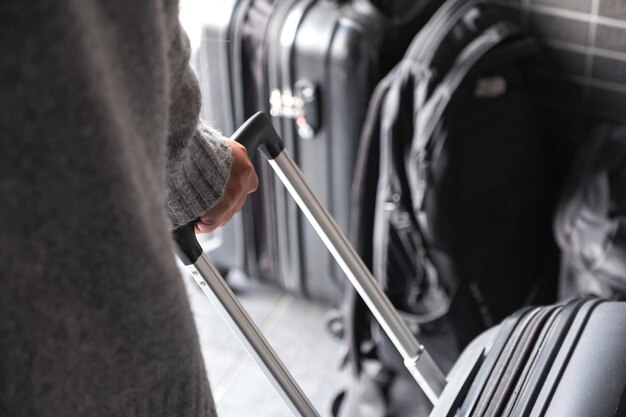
(215, 288)
(417, 360)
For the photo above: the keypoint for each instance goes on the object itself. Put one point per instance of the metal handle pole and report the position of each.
(419, 363)
(258, 132)
(231, 310)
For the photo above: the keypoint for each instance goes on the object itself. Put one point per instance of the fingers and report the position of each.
(241, 182)
(203, 228)
(239, 206)
(242, 169)
(217, 216)
(211, 221)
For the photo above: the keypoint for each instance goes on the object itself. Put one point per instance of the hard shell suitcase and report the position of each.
(312, 65)
(562, 360)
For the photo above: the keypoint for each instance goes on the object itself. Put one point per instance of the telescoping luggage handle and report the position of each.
(258, 132)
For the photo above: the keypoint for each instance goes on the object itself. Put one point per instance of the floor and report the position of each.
(296, 330)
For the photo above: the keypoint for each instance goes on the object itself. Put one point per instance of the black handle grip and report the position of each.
(256, 132)
(187, 247)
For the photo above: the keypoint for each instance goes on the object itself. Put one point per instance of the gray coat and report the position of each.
(98, 118)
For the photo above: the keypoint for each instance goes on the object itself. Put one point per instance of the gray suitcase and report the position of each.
(561, 360)
(311, 64)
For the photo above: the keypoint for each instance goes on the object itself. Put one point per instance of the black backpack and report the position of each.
(452, 197)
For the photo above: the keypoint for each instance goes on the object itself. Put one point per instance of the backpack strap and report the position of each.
(429, 116)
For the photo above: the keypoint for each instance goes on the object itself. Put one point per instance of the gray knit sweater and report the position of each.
(98, 118)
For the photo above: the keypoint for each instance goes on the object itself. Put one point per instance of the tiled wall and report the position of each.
(584, 75)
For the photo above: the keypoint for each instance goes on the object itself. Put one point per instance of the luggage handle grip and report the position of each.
(255, 133)
(258, 132)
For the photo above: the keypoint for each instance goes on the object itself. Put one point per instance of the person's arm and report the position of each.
(208, 176)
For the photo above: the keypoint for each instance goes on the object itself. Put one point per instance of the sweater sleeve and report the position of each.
(198, 157)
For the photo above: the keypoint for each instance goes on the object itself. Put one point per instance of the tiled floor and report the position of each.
(296, 330)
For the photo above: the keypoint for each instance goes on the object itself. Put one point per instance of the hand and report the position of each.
(241, 182)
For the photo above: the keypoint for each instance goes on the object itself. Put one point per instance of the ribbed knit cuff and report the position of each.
(197, 180)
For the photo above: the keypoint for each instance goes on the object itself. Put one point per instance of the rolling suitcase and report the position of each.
(312, 65)
(562, 360)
